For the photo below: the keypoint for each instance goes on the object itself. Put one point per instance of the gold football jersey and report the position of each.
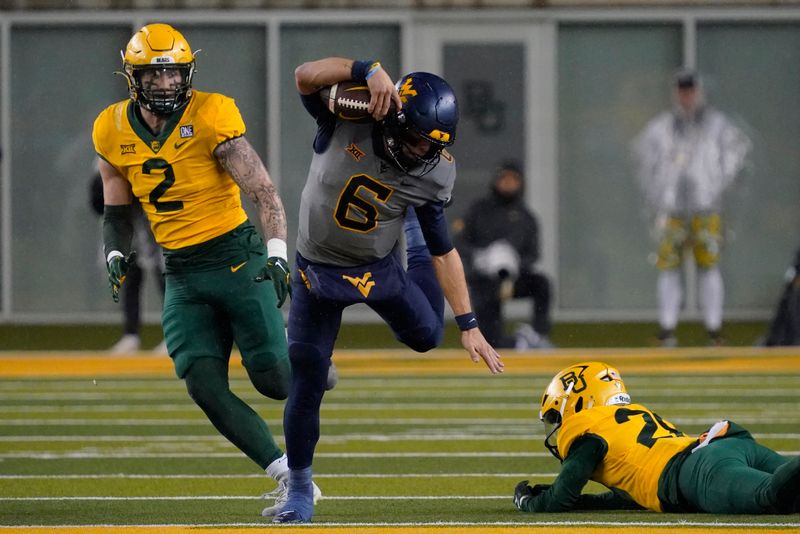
(640, 444)
(187, 196)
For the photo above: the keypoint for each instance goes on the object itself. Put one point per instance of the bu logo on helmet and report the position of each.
(576, 379)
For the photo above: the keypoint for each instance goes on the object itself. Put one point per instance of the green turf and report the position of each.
(393, 450)
(360, 336)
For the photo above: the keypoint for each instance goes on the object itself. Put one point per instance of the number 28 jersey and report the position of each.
(187, 196)
(639, 446)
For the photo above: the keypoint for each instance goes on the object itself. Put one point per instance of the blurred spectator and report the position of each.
(499, 240)
(785, 326)
(687, 158)
(148, 258)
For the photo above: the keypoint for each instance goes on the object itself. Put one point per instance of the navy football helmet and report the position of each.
(415, 136)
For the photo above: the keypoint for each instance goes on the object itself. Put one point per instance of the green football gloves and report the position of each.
(117, 269)
(277, 270)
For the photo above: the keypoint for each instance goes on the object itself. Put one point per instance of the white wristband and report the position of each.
(113, 254)
(277, 248)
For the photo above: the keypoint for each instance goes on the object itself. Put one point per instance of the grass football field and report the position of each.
(91, 442)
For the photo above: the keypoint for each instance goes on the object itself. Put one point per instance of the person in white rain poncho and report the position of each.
(687, 158)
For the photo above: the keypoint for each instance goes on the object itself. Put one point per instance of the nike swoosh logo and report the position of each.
(235, 268)
(178, 145)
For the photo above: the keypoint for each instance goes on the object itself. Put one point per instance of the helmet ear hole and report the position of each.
(579, 405)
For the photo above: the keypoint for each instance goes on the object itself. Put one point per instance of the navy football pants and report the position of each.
(410, 302)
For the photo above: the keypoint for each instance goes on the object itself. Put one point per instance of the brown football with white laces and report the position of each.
(348, 100)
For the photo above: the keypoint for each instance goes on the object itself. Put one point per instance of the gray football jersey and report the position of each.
(353, 203)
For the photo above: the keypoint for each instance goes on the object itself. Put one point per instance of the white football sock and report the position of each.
(670, 296)
(712, 296)
(279, 469)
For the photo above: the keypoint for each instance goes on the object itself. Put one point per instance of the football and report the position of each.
(348, 100)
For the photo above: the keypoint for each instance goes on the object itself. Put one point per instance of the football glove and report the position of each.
(277, 270)
(117, 269)
(523, 492)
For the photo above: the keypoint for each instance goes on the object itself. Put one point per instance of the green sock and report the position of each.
(207, 383)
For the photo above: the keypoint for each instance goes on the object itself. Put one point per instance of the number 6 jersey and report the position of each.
(354, 203)
(187, 196)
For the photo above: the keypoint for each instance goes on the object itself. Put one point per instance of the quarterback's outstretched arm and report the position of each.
(450, 273)
(239, 158)
(312, 76)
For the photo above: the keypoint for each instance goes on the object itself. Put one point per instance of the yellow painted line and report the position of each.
(446, 361)
(482, 529)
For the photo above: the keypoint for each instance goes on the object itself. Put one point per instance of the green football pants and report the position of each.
(205, 312)
(737, 475)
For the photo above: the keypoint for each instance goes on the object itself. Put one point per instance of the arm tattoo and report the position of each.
(239, 158)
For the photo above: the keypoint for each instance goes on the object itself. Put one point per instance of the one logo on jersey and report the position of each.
(187, 131)
(406, 90)
(354, 151)
(572, 378)
(155, 145)
(128, 149)
(362, 283)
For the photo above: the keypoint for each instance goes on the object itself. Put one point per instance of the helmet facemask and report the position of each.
(400, 138)
(159, 100)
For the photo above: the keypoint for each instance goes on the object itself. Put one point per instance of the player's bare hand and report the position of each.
(382, 94)
(480, 349)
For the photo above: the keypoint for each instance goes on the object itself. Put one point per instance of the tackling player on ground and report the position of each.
(369, 183)
(183, 154)
(592, 427)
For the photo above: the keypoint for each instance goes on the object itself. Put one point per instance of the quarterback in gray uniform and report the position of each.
(368, 184)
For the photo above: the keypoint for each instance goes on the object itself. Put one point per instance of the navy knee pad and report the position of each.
(422, 339)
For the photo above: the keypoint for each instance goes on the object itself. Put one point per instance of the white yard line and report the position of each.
(623, 524)
(261, 476)
(97, 455)
(473, 421)
(407, 436)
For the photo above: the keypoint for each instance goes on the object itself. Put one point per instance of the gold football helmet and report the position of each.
(579, 387)
(160, 48)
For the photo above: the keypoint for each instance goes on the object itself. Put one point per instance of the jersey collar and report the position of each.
(154, 142)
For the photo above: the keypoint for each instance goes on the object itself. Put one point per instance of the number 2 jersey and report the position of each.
(187, 196)
(638, 445)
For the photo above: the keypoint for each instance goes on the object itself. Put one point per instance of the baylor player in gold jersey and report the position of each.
(645, 461)
(182, 153)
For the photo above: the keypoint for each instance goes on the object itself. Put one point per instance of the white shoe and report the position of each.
(161, 348)
(281, 495)
(127, 343)
(279, 470)
(526, 338)
(333, 377)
